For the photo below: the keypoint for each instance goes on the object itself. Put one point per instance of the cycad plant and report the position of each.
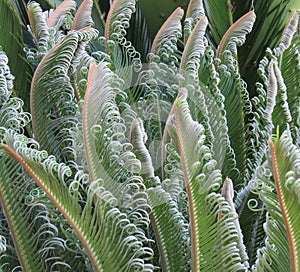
(168, 165)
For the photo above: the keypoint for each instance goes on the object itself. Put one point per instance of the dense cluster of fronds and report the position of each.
(167, 165)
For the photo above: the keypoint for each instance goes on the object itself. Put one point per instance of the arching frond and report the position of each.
(201, 181)
(194, 12)
(66, 7)
(118, 19)
(171, 231)
(194, 49)
(285, 163)
(52, 97)
(83, 16)
(113, 242)
(280, 198)
(169, 32)
(237, 32)
(29, 225)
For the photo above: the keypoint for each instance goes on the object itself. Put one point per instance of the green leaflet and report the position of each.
(201, 181)
(221, 19)
(267, 30)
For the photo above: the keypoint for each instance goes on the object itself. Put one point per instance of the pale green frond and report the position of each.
(171, 231)
(66, 7)
(53, 107)
(117, 20)
(168, 34)
(288, 34)
(38, 25)
(194, 49)
(109, 238)
(138, 137)
(236, 34)
(228, 193)
(194, 12)
(274, 254)
(30, 225)
(238, 108)
(209, 212)
(108, 152)
(285, 164)
(83, 16)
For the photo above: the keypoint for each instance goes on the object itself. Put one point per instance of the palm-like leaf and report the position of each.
(201, 181)
(118, 255)
(83, 16)
(286, 182)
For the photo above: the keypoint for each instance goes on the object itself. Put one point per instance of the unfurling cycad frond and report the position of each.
(118, 19)
(194, 12)
(280, 196)
(20, 229)
(29, 226)
(110, 240)
(285, 165)
(234, 89)
(169, 32)
(52, 97)
(194, 49)
(138, 137)
(11, 112)
(288, 34)
(83, 16)
(38, 25)
(169, 226)
(66, 7)
(171, 231)
(236, 33)
(211, 221)
(107, 148)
